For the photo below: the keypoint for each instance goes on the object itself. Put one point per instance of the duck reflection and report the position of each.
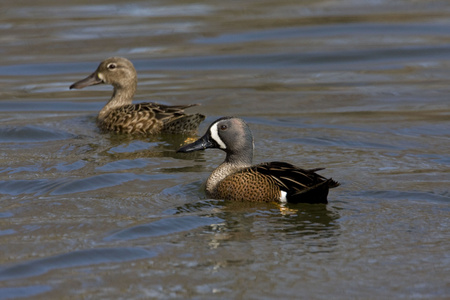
(121, 146)
(314, 224)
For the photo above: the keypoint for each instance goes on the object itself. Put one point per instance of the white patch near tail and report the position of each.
(215, 135)
(283, 197)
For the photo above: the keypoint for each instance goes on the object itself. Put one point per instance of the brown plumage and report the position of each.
(263, 183)
(121, 116)
(150, 118)
(237, 180)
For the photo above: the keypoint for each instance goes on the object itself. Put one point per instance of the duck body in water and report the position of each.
(121, 116)
(236, 179)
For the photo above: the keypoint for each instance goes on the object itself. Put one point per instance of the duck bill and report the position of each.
(200, 144)
(92, 79)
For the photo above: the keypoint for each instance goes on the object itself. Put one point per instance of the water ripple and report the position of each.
(401, 195)
(74, 259)
(28, 133)
(124, 164)
(332, 31)
(67, 186)
(163, 227)
(315, 60)
(23, 291)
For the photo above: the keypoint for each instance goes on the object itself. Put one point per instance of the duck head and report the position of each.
(116, 71)
(229, 134)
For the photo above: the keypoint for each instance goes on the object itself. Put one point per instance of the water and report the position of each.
(358, 87)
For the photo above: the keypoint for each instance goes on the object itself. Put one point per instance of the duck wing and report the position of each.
(300, 185)
(150, 118)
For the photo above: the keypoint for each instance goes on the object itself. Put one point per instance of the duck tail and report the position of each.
(332, 183)
(314, 194)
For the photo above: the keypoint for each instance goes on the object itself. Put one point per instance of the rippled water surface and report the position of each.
(358, 87)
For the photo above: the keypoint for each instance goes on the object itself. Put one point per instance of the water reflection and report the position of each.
(165, 226)
(123, 146)
(313, 224)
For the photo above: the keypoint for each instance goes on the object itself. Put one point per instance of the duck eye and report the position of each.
(223, 127)
(111, 66)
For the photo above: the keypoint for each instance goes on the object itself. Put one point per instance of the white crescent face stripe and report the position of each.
(215, 136)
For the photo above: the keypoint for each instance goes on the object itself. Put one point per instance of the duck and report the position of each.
(236, 179)
(121, 116)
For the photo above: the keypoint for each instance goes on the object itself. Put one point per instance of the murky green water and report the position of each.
(361, 88)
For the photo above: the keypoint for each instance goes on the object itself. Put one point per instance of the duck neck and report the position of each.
(232, 164)
(121, 96)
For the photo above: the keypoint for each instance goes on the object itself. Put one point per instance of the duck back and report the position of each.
(150, 118)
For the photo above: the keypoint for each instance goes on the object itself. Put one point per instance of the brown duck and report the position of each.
(121, 116)
(237, 179)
